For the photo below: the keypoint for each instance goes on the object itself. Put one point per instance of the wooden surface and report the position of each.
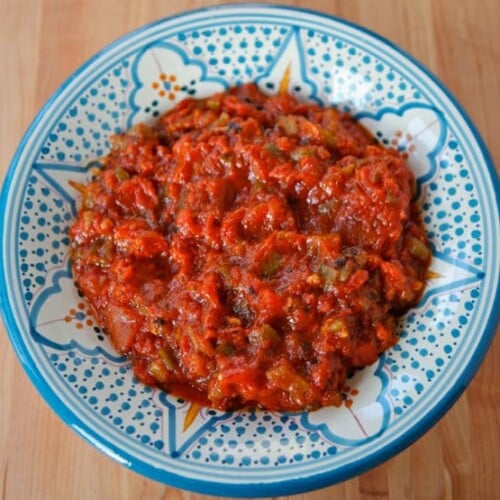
(42, 42)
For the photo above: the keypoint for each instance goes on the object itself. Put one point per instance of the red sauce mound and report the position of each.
(250, 251)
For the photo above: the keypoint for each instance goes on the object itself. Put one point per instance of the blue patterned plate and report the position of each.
(325, 60)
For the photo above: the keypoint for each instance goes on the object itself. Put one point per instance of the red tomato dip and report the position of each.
(250, 251)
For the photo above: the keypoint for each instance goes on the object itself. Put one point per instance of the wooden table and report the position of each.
(42, 42)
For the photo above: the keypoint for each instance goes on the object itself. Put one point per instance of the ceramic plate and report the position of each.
(325, 60)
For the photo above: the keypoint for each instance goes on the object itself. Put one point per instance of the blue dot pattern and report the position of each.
(427, 342)
(344, 73)
(83, 131)
(106, 388)
(240, 52)
(250, 439)
(43, 234)
(452, 214)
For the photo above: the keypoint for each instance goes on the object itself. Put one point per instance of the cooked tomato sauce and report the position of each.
(250, 251)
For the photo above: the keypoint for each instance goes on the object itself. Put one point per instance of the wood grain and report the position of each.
(41, 43)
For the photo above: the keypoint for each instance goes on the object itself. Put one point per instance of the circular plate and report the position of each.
(319, 59)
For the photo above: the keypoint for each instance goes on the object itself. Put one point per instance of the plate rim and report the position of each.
(250, 488)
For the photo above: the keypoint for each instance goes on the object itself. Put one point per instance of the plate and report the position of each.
(319, 59)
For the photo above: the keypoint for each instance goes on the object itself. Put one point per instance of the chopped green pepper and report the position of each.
(272, 148)
(328, 275)
(284, 377)
(346, 271)
(329, 138)
(418, 249)
(302, 152)
(226, 349)
(101, 252)
(158, 370)
(336, 326)
(122, 175)
(223, 119)
(271, 263)
(167, 358)
(265, 336)
(213, 104)
(288, 124)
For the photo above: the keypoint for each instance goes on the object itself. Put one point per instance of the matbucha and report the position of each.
(250, 251)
